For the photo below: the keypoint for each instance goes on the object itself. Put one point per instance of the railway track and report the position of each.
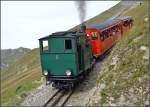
(59, 98)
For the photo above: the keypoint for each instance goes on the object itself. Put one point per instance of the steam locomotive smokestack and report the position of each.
(83, 27)
(81, 5)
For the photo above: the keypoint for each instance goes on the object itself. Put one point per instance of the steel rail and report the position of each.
(51, 98)
(69, 95)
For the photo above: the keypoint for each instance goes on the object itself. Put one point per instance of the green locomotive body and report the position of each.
(66, 58)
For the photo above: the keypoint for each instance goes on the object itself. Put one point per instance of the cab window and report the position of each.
(94, 35)
(68, 44)
(45, 45)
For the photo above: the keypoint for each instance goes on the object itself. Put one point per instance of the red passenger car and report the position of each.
(104, 35)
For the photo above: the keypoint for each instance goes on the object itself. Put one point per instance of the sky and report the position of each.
(24, 22)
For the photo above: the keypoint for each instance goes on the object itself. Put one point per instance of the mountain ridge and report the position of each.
(9, 56)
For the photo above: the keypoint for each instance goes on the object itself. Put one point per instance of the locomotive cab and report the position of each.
(65, 58)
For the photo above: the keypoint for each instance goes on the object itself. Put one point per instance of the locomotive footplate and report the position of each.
(63, 85)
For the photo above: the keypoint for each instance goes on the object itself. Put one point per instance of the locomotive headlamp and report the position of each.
(88, 35)
(68, 72)
(45, 72)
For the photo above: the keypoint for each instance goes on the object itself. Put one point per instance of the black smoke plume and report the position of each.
(81, 5)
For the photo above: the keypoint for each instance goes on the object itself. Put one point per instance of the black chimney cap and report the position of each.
(83, 27)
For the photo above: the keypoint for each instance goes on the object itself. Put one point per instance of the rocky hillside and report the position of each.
(8, 56)
(124, 79)
(25, 74)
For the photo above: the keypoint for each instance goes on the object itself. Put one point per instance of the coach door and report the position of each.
(95, 43)
(102, 40)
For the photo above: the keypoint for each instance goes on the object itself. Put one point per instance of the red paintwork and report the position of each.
(98, 46)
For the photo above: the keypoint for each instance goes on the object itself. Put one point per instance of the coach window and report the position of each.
(102, 36)
(106, 34)
(45, 45)
(125, 24)
(117, 29)
(130, 22)
(110, 34)
(113, 31)
(94, 36)
(68, 44)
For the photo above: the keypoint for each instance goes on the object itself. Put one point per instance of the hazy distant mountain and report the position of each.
(9, 56)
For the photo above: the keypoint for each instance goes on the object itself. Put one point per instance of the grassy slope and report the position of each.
(20, 78)
(126, 81)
